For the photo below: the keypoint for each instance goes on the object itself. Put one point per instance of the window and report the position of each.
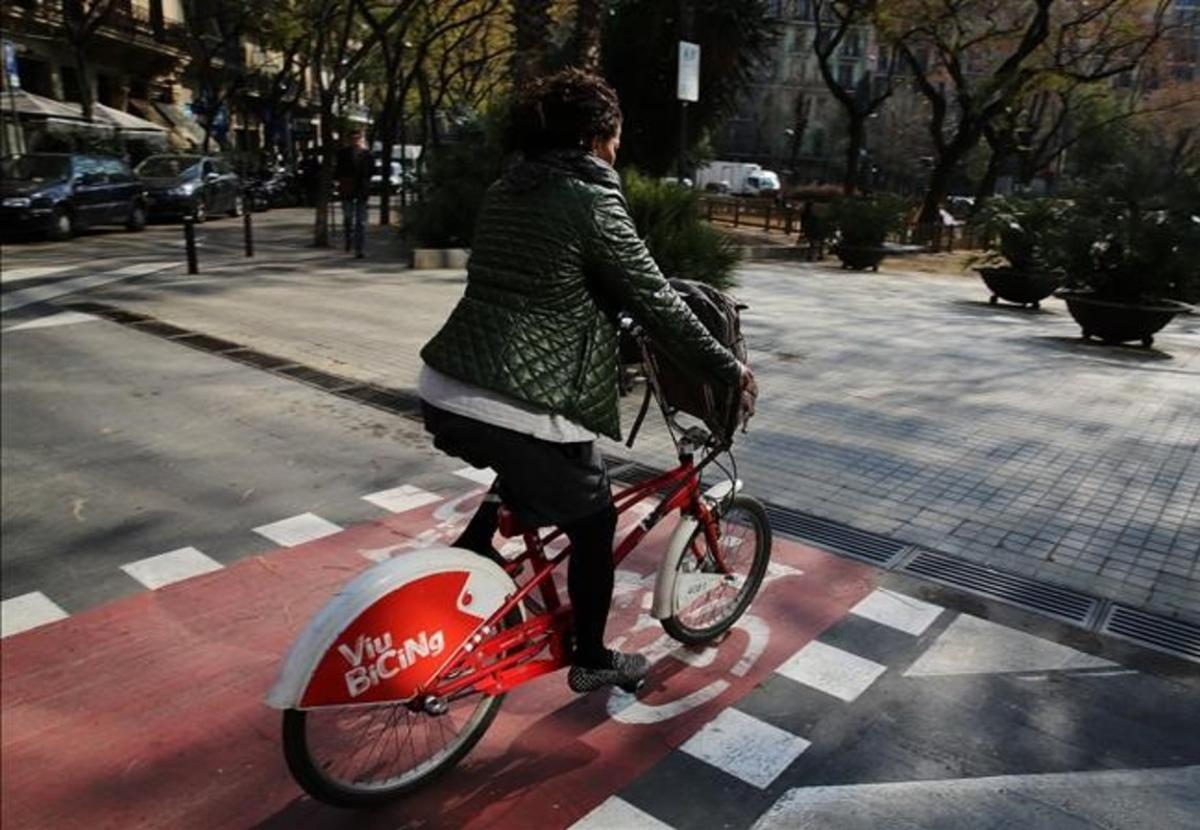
(803, 9)
(115, 169)
(90, 168)
(846, 76)
(852, 45)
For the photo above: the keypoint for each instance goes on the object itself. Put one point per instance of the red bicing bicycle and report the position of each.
(403, 671)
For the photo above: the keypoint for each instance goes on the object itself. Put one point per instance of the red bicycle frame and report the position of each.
(494, 664)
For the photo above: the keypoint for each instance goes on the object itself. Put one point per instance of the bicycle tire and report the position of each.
(761, 527)
(315, 778)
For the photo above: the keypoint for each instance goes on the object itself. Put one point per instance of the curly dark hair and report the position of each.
(568, 109)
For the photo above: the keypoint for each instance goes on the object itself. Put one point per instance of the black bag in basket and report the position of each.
(717, 405)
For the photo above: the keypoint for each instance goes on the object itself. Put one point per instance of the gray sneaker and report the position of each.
(627, 671)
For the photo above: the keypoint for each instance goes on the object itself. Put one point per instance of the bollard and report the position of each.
(189, 242)
(767, 219)
(247, 209)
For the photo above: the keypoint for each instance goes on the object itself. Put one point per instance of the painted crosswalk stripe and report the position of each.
(899, 611)
(172, 566)
(745, 747)
(65, 318)
(28, 611)
(30, 273)
(39, 293)
(485, 476)
(404, 497)
(832, 670)
(297, 530)
(618, 814)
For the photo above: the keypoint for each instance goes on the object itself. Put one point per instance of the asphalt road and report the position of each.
(118, 445)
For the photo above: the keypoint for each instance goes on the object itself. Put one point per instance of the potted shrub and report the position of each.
(863, 224)
(1027, 236)
(1128, 268)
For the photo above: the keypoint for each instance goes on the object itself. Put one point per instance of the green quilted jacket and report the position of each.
(555, 256)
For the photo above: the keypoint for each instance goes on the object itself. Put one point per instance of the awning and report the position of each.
(66, 114)
(30, 105)
(127, 122)
(184, 129)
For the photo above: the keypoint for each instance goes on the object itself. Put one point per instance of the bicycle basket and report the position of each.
(717, 405)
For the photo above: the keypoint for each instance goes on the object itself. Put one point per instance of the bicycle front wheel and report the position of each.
(714, 588)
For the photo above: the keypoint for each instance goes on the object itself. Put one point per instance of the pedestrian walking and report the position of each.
(354, 168)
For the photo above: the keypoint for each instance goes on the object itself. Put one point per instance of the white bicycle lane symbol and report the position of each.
(630, 588)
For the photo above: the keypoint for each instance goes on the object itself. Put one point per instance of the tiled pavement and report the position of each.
(897, 403)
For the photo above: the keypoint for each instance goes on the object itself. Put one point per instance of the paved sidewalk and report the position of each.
(896, 403)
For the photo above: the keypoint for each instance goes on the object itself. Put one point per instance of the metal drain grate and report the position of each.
(1176, 637)
(258, 360)
(629, 472)
(323, 380)
(160, 328)
(207, 343)
(1049, 600)
(396, 401)
(835, 536)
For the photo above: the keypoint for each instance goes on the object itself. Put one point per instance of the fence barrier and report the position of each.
(769, 216)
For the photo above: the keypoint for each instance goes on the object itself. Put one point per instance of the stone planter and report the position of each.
(860, 257)
(1118, 322)
(1025, 288)
(435, 258)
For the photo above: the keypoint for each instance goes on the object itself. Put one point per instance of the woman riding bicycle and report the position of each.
(523, 376)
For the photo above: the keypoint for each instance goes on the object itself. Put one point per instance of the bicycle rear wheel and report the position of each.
(359, 756)
(708, 599)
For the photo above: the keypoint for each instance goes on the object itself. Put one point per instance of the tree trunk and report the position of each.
(84, 82)
(325, 175)
(531, 38)
(387, 125)
(987, 185)
(854, 144)
(936, 189)
(589, 28)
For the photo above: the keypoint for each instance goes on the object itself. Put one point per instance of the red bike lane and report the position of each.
(148, 712)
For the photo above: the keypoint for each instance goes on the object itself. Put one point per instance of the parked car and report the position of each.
(60, 194)
(190, 185)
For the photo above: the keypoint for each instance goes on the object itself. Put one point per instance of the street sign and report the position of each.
(12, 77)
(688, 87)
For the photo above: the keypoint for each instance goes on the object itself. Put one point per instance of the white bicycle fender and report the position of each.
(664, 584)
(387, 638)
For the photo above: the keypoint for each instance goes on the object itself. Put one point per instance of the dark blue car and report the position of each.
(179, 185)
(60, 194)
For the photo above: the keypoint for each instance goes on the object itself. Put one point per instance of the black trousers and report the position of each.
(544, 483)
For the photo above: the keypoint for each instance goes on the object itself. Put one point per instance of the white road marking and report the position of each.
(626, 708)
(65, 318)
(402, 498)
(40, 293)
(172, 566)
(970, 645)
(912, 616)
(831, 670)
(28, 611)
(745, 747)
(1164, 799)
(484, 477)
(617, 814)
(32, 272)
(297, 530)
